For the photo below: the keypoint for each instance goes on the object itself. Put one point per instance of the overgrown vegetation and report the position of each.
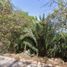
(45, 37)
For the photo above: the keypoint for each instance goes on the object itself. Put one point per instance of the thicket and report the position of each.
(20, 32)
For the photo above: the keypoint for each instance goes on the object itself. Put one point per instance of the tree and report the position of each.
(12, 23)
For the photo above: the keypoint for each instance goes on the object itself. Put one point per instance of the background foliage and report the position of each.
(20, 32)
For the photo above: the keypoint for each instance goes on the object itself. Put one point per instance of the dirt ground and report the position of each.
(53, 62)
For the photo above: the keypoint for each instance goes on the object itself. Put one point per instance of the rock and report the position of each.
(27, 52)
(57, 66)
(47, 65)
(19, 60)
(13, 62)
(56, 61)
(50, 65)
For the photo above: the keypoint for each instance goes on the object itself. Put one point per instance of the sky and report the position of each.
(34, 7)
